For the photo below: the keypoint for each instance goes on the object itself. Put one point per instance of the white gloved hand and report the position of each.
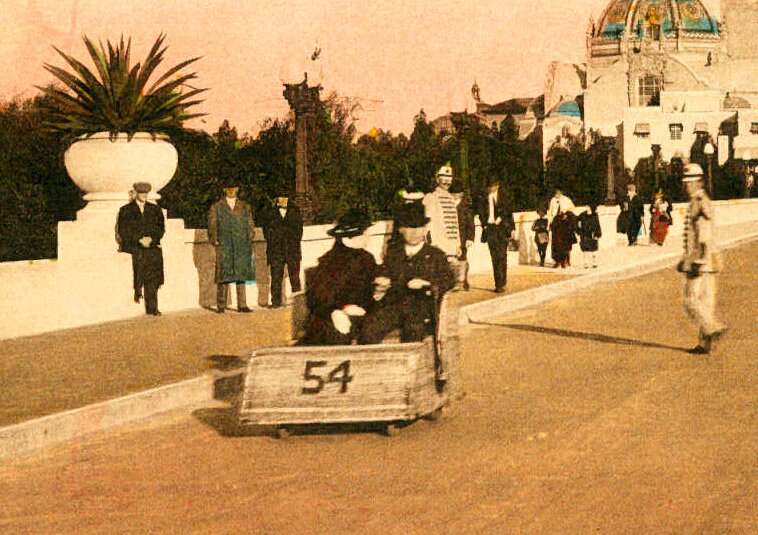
(469, 244)
(341, 321)
(498, 220)
(417, 284)
(145, 241)
(354, 310)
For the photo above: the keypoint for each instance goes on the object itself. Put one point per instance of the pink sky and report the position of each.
(398, 55)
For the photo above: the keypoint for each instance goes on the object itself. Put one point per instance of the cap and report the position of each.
(142, 187)
(692, 172)
(445, 172)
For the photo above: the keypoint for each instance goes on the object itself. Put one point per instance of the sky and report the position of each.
(394, 56)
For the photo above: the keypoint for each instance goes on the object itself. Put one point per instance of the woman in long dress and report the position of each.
(660, 218)
(563, 238)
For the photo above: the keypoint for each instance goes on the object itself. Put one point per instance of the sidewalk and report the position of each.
(67, 369)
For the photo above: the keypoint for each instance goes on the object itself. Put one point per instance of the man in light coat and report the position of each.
(699, 262)
(441, 207)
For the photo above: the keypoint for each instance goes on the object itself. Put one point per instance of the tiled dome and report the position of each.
(632, 17)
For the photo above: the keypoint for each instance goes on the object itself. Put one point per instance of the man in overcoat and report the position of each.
(231, 230)
(339, 290)
(633, 210)
(415, 277)
(497, 225)
(699, 262)
(141, 226)
(283, 230)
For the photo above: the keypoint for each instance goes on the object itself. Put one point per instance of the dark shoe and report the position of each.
(500, 290)
(244, 309)
(155, 313)
(466, 287)
(716, 336)
(220, 310)
(137, 297)
(698, 350)
(276, 305)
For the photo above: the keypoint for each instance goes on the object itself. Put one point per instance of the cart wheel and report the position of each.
(281, 432)
(391, 430)
(435, 415)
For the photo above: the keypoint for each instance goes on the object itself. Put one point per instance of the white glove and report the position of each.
(145, 241)
(498, 220)
(417, 284)
(354, 310)
(469, 244)
(341, 321)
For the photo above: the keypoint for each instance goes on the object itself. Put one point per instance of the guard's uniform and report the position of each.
(700, 282)
(441, 208)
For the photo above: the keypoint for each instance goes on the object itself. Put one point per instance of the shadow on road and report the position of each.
(602, 338)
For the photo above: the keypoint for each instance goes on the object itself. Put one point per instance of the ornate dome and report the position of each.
(637, 18)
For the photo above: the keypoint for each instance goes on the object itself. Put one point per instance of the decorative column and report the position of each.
(304, 101)
(610, 184)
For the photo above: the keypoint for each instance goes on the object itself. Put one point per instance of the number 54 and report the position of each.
(340, 374)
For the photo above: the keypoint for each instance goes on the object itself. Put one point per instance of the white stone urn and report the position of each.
(105, 169)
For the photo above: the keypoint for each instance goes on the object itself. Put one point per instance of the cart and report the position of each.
(389, 383)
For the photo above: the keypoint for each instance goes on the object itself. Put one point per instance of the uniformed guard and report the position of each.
(699, 263)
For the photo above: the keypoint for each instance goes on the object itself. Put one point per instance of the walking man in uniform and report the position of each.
(441, 208)
(699, 262)
(231, 229)
(140, 228)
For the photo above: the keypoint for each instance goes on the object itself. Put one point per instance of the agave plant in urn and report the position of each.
(119, 123)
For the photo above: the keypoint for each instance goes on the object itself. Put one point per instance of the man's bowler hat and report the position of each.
(354, 222)
(411, 215)
(142, 187)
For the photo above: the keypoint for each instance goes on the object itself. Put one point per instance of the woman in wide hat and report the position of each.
(340, 288)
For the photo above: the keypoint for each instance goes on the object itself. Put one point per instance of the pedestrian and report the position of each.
(132, 195)
(141, 226)
(408, 195)
(497, 225)
(231, 230)
(283, 230)
(559, 204)
(563, 238)
(588, 227)
(414, 278)
(700, 262)
(467, 232)
(541, 234)
(340, 288)
(632, 210)
(660, 218)
(440, 208)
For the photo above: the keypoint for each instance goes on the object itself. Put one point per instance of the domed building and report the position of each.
(662, 72)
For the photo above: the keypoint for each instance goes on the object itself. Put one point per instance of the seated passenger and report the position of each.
(341, 287)
(415, 276)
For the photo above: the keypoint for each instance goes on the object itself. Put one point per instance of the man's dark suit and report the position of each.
(147, 262)
(497, 235)
(283, 236)
(635, 210)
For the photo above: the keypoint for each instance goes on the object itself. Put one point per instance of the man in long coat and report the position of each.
(141, 226)
(699, 262)
(231, 229)
(283, 230)
(632, 210)
(497, 225)
(339, 290)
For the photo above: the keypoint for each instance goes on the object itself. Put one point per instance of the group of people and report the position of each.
(231, 230)
(630, 219)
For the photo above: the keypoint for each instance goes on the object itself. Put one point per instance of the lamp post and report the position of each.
(463, 122)
(656, 148)
(708, 150)
(303, 100)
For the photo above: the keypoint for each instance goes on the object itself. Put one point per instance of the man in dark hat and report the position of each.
(415, 276)
(283, 230)
(340, 287)
(140, 227)
(497, 226)
(231, 229)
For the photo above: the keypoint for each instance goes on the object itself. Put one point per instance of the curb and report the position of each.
(484, 310)
(72, 424)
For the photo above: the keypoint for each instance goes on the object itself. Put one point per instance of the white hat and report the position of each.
(692, 172)
(445, 172)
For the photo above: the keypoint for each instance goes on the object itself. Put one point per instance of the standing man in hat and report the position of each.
(339, 290)
(441, 208)
(283, 230)
(416, 276)
(634, 210)
(497, 226)
(140, 228)
(699, 262)
(231, 230)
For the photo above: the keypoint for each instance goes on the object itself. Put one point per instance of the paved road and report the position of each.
(582, 415)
